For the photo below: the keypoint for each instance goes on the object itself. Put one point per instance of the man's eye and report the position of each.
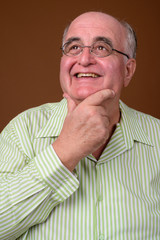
(101, 48)
(74, 47)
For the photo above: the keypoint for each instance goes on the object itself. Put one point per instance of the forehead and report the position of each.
(88, 26)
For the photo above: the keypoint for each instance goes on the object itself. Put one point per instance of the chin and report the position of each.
(80, 95)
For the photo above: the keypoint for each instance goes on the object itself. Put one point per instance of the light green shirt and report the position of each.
(116, 197)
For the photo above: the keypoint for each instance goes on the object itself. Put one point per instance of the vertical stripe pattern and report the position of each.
(116, 197)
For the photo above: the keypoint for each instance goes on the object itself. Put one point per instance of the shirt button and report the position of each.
(75, 173)
(101, 237)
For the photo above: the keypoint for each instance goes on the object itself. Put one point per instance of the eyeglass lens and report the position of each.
(98, 48)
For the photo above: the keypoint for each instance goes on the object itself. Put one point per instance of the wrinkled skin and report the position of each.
(93, 103)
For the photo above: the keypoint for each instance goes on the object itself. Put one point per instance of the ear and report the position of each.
(130, 70)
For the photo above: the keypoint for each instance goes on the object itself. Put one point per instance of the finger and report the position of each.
(99, 97)
(70, 103)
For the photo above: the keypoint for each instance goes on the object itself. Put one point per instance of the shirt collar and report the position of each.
(55, 123)
(129, 123)
(131, 127)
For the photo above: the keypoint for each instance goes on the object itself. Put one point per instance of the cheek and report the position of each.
(62, 73)
(66, 65)
(108, 64)
(63, 65)
(64, 68)
(113, 66)
(114, 74)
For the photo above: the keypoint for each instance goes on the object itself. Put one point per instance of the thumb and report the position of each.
(99, 97)
(70, 103)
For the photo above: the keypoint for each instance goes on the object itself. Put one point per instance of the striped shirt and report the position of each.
(116, 197)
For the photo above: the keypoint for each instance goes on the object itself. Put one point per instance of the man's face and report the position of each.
(102, 73)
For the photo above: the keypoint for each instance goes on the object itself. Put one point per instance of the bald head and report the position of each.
(123, 30)
(96, 16)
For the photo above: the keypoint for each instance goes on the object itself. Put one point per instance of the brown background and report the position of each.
(30, 38)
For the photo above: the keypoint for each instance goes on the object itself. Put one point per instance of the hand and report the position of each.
(86, 127)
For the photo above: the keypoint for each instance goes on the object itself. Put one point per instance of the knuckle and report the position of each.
(103, 132)
(107, 122)
(102, 136)
(104, 129)
(101, 96)
(91, 112)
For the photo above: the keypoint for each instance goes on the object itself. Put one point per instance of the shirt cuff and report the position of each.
(55, 174)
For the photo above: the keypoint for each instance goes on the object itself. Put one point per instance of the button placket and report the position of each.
(99, 199)
(98, 185)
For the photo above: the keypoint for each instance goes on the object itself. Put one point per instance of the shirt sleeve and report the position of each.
(29, 187)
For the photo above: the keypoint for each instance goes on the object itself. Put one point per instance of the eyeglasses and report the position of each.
(99, 49)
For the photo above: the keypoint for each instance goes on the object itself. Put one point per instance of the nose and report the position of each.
(86, 58)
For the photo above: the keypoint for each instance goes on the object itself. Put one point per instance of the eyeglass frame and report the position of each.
(112, 49)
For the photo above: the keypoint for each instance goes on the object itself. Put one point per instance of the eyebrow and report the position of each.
(104, 39)
(72, 39)
(98, 38)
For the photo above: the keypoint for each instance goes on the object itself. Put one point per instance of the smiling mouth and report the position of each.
(82, 75)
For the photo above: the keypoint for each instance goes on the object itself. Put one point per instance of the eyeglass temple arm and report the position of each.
(120, 52)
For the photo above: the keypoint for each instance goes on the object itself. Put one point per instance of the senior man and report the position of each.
(88, 167)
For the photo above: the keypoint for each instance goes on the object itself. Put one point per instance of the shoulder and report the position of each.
(149, 124)
(31, 117)
(146, 119)
(142, 117)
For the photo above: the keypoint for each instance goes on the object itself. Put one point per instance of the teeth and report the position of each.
(79, 75)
